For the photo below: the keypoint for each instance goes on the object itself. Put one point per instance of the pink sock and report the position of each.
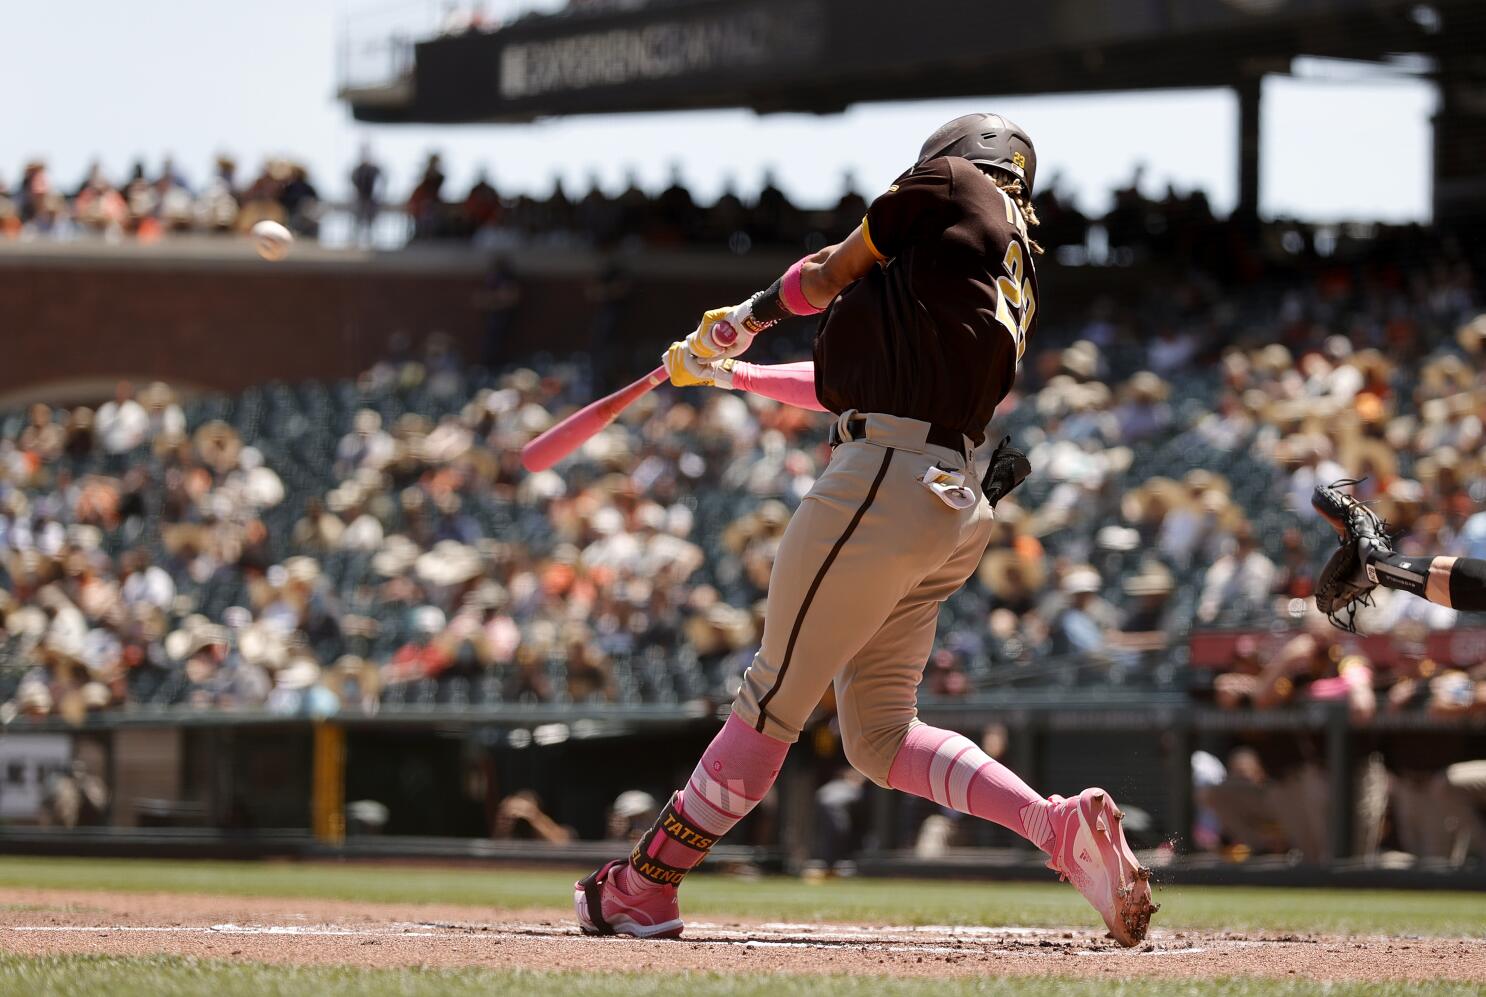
(734, 774)
(949, 769)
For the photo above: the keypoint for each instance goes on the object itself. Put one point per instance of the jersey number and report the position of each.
(1015, 302)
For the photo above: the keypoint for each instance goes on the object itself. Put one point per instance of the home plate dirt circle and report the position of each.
(280, 930)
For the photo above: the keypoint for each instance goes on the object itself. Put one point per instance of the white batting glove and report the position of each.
(716, 325)
(722, 372)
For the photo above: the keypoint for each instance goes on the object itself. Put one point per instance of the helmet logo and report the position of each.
(1019, 161)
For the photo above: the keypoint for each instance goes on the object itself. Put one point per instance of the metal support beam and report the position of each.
(1178, 744)
(796, 812)
(1339, 770)
(328, 786)
(1249, 91)
(1459, 180)
(885, 804)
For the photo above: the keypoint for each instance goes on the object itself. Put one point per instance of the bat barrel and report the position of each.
(571, 433)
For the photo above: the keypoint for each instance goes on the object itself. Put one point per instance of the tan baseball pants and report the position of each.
(854, 595)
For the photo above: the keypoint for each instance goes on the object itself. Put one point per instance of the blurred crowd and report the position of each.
(154, 558)
(1174, 226)
(375, 544)
(147, 204)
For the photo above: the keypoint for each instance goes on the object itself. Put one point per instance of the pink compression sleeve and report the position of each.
(952, 771)
(790, 383)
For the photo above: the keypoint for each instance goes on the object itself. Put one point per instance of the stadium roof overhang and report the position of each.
(823, 55)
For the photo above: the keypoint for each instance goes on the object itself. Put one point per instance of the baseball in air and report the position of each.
(271, 240)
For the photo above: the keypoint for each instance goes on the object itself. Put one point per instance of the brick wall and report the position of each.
(207, 318)
(226, 324)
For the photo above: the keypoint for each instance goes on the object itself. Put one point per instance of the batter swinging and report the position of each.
(927, 308)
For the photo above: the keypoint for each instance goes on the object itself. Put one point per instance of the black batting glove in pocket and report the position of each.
(1008, 468)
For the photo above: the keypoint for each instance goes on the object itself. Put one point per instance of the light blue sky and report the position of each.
(139, 78)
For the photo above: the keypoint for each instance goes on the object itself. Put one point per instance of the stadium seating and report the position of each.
(308, 529)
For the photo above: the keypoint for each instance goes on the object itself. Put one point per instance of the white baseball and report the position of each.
(271, 240)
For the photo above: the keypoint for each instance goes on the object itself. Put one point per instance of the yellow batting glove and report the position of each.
(686, 369)
(700, 341)
(703, 342)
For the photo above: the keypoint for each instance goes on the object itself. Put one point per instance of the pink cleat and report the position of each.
(1090, 851)
(604, 909)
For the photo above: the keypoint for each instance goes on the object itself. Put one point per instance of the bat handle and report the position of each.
(724, 335)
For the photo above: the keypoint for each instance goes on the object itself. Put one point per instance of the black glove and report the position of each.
(1344, 587)
(1008, 468)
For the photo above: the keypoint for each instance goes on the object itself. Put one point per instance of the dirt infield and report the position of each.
(277, 930)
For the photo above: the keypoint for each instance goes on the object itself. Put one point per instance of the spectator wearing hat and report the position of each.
(631, 815)
(317, 532)
(424, 655)
(1144, 623)
(1086, 620)
(1239, 583)
(1310, 455)
(123, 423)
(44, 437)
(1143, 413)
(1198, 523)
(298, 691)
(1015, 575)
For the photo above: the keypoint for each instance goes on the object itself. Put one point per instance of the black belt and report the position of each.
(938, 436)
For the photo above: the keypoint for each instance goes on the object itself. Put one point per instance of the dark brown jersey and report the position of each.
(937, 330)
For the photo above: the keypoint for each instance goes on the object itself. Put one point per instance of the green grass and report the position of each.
(716, 897)
(111, 976)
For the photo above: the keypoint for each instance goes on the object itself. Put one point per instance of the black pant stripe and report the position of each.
(794, 634)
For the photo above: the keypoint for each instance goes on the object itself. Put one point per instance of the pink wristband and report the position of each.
(792, 295)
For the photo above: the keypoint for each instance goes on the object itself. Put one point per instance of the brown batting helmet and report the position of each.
(988, 141)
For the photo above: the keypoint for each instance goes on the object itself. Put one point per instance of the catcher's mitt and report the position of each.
(1345, 586)
(1008, 468)
(1347, 579)
(1351, 519)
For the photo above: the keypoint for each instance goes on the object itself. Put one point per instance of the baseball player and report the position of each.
(1366, 559)
(926, 308)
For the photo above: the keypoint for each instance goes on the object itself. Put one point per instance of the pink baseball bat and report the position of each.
(570, 434)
